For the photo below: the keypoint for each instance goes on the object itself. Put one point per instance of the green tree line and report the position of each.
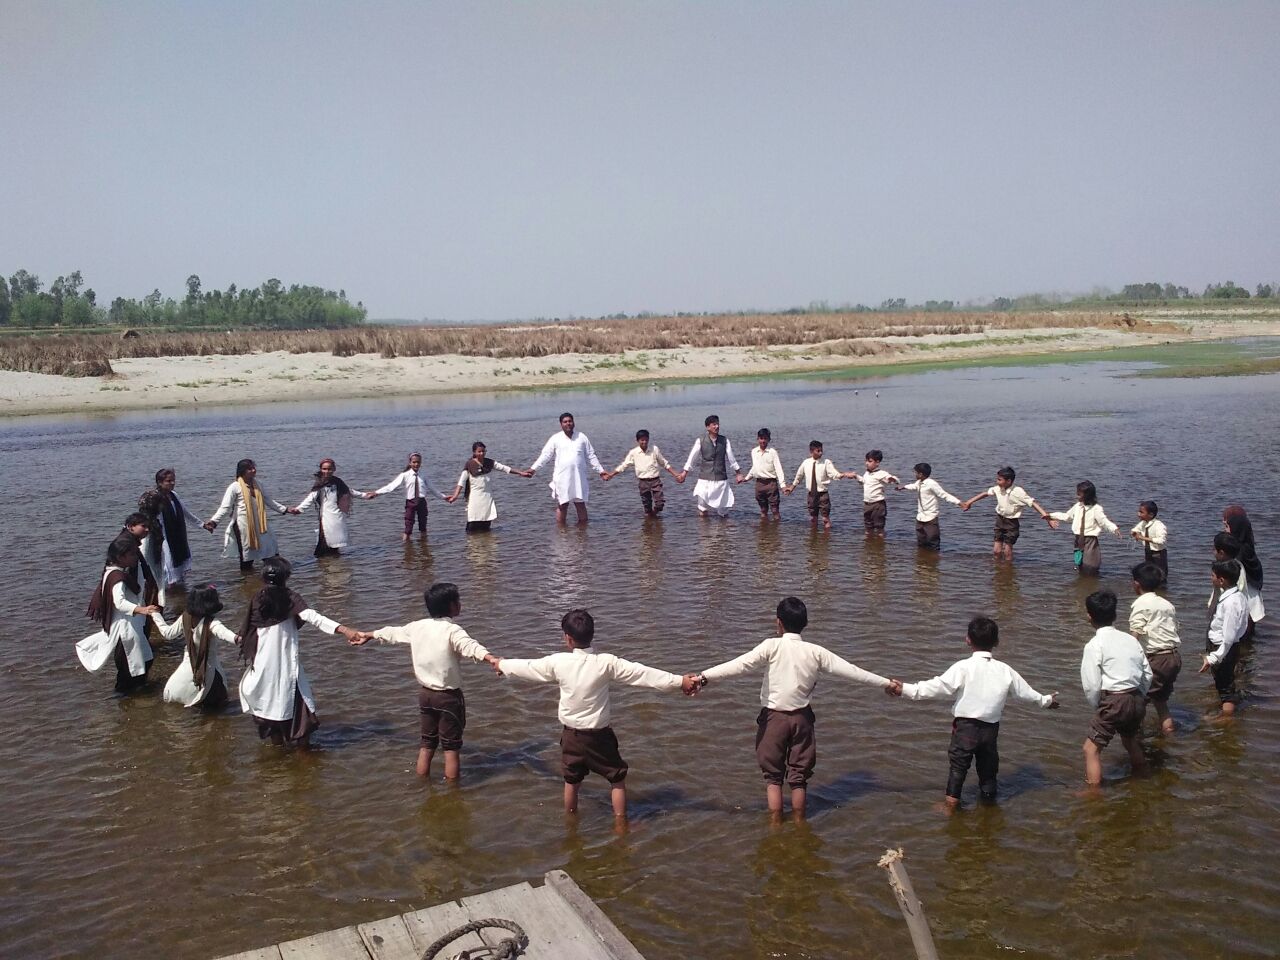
(69, 303)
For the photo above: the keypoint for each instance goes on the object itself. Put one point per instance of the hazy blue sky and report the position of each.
(487, 160)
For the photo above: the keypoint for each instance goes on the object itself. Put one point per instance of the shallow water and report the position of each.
(139, 829)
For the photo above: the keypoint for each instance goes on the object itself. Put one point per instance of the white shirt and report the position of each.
(873, 484)
(1229, 623)
(1154, 622)
(695, 456)
(267, 685)
(572, 455)
(413, 484)
(1113, 662)
(817, 474)
(766, 465)
(982, 684)
(1087, 521)
(791, 667)
(646, 462)
(1155, 531)
(584, 677)
(437, 646)
(928, 492)
(1010, 503)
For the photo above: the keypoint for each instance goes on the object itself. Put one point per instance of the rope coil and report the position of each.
(507, 948)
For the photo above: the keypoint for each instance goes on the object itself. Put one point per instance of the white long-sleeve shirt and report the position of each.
(980, 684)
(572, 455)
(1230, 620)
(1155, 531)
(791, 668)
(695, 457)
(766, 465)
(1010, 503)
(646, 462)
(1088, 521)
(413, 484)
(437, 646)
(928, 492)
(1113, 662)
(584, 677)
(816, 474)
(874, 483)
(1154, 622)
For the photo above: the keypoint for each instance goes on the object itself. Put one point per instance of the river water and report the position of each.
(138, 829)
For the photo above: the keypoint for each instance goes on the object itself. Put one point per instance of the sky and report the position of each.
(478, 160)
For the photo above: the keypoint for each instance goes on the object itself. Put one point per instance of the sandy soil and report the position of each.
(260, 378)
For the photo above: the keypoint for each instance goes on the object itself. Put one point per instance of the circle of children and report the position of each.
(1120, 672)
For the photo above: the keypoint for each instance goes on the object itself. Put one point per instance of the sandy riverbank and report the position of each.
(167, 382)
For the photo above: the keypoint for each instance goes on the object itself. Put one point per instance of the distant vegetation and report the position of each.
(68, 304)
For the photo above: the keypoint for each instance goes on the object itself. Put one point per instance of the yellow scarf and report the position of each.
(255, 512)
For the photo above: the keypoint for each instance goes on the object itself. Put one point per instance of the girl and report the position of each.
(1236, 522)
(1087, 518)
(167, 540)
(117, 606)
(473, 483)
(1153, 535)
(199, 681)
(247, 535)
(332, 500)
(274, 689)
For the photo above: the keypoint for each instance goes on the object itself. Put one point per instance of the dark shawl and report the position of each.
(173, 528)
(150, 587)
(100, 605)
(1240, 527)
(197, 648)
(257, 617)
(476, 469)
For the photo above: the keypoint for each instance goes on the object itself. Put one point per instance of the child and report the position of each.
(980, 684)
(1227, 547)
(1153, 535)
(928, 493)
(414, 483)
(473, 484)
(874, 482)
(1115, 675)
(248, 536)
(117, 606)
(1010, 501)
(818, 473)
(1087, 519)
(1155, 624)
(1236, 522)
(331, 497)
(437, 644)
(1226, 630)
(588, 743)
(766, 470)
(648, 479)
(199, 680)
(785, 744)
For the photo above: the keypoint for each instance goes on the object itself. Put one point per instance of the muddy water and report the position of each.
(139, 829)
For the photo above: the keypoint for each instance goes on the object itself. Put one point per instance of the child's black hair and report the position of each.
(441, 598)
(1151, 507)
(815, 445)
(924, 469)
(410, 457)
(1101, 607)
(580, 626)
(642, 434)
(164, 472)
(243, 467)
(120, 549)
(1225, 543)
(276, 602)
(478, 444)
(875, 455)
(1087, 493)
(793, 614)
(764, 434)
(137, 519)
(983, 633)
(203, 602)
(1006, 473)
(1148, 576)
(1228, 570)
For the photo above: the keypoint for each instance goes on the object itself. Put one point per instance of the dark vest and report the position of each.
(713, 456)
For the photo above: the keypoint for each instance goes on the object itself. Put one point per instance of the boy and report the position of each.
(818, 473)
(437, 645)
(1010, 501)
(1226, 630)
(1154, 622)
(1153, 535)
(1115, 675)
(588, 743)
(766, 470)
(874, 482)
(785, 745)
(648, 479)
(980, 684)
(928, 493)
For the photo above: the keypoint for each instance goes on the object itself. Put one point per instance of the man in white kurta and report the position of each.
(571, 454)
(713, 456)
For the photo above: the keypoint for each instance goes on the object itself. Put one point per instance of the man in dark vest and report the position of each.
(713, 456)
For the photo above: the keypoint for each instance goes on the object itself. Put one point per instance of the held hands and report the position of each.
(359, 638)
(496, 663)
(1053, 701)
(894, 689)
(1053, 524)
(604, 474)
(1205, 666)
(293, 510)
(691, 683)
(210, 525)
(681, 475)
(146, 610)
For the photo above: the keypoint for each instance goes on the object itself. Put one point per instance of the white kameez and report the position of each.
(714, 495)
(572, 456)
(181, 686)
(127, 629)
(480, 505)
(233, 504)
(331, 517)
(166, 572)
(266, 689)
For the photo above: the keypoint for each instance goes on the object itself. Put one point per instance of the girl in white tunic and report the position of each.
(199, 681)
(473, 483)
(248, 536)
(331, 498)
(274, 689)
(117, 606)
(167, 539)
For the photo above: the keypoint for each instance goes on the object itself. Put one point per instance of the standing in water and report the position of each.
(415, 485)
(1236, 522)
(117, 606)
(570, 453)
(199, 680)
(248, 537)
(714, 457)
(766, 470)
(1153, 535)
(167, 539)
(1154, 622)
(1011, 500)
(1087, 519)
(646, 458)
(928, 494)
(874, 483)
(275, 690)
(332, 499)
(473, 484)
(1226, 630)
(1115, 676)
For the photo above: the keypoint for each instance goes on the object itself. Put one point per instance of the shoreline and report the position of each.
(222, 380)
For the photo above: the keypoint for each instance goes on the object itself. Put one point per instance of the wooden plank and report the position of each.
(388, 940)
(555, 932)
(427, 926)
(344, 944)
(562, 885)
(266, 953)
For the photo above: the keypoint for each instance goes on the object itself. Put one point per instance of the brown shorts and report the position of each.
(786, 746)
(1118, 712)
(444, 717)
(1007, 530)
(1164, 670)
(591, 751)
(819, 503)
(767, 495)
(873, 515)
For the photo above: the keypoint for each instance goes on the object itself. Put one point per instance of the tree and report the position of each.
(193, 289)
(23, 283)
(6, 305)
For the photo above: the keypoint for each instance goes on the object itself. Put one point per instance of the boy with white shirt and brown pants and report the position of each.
(1154, 622)
(646, 458)
(817, 473)
(1010, 502)
(1115, 676)
(874, 482)
(928, 494)
(786, 748)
